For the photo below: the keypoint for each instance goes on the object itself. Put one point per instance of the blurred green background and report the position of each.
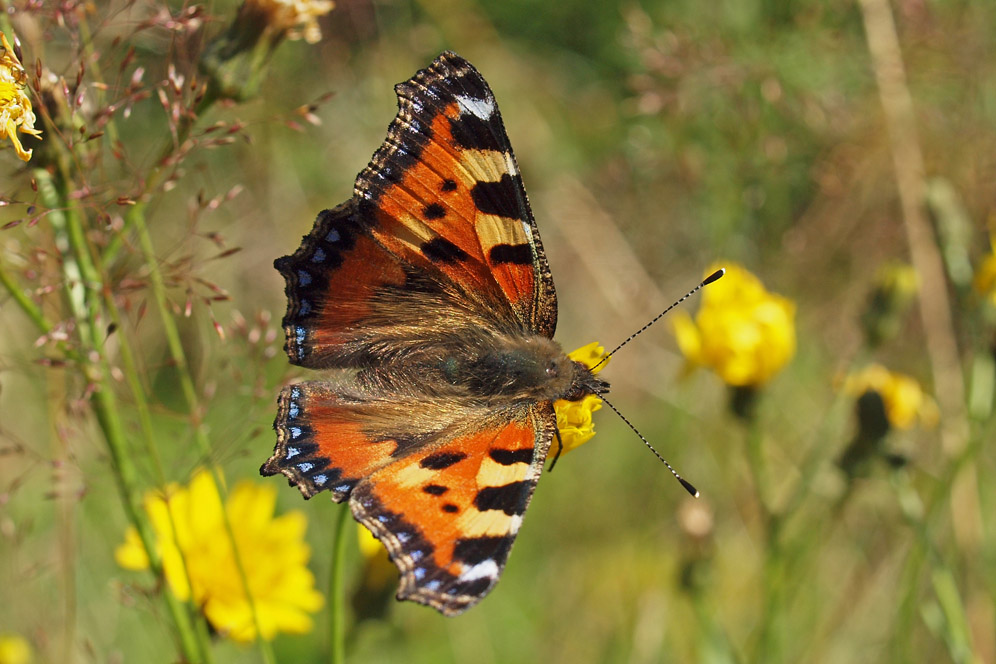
(654, 138)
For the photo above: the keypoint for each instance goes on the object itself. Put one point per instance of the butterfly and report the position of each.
(428, 301)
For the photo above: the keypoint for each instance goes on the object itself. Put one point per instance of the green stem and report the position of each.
(337, 595)
(84, 302)
(766, 648)
(27, 305)
(157, 176)
(136, 219)
(924, 549)
(175, 345)
(131, 373)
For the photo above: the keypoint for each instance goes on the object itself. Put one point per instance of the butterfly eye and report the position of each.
(551, 369)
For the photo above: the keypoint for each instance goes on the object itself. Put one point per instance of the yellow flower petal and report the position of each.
(905, 401)
(131, 554)
(590, 355)
(192, 534)
(14, 649)
(745, 334)
(15, 107)
(574, 420)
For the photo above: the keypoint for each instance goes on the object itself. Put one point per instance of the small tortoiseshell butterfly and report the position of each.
(428, 298)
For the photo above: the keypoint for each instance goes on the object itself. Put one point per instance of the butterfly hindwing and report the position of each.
(322, 443)
(449, 513)
(447, 503)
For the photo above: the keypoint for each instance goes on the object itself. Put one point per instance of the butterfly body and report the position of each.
(428, 302)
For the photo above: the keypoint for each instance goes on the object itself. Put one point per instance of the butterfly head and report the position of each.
(583, 383)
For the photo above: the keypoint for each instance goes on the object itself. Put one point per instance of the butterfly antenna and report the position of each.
(685, 483)
(705, 282)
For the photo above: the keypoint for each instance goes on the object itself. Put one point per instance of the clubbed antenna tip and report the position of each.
(688, 487)
(714, 276)
(705, 282)
(685, 483)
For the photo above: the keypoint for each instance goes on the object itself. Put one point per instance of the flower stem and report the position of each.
(773, 573)
(32, 310)
(935, 309)
(84, 300)
(337, 602)
(175, 345)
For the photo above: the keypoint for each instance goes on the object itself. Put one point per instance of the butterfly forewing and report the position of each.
(333, 282)
(446, 193)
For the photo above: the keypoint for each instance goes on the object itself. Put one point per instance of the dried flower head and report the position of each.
(200, 563)
(15, 107)
(293, 19)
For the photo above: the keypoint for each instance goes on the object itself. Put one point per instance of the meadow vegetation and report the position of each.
(831, 398)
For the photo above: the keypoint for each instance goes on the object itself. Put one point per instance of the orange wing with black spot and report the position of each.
(437, 241)
(442, 198)
(447, 503)
(445, 193)
(449, 513)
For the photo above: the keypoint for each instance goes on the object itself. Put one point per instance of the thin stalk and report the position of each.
(129, 369)
(337, 595)
(27, 305)
(84, 307)
(907, 157)
(156, 177)
(94, 65)
(175, 345)
(924, 547)
(136, 218)
(772, 577)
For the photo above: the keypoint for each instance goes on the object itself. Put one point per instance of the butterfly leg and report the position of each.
(560, 448)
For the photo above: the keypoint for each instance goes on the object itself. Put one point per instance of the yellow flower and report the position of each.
(984, 281)
(200, 563)
(896, 286)
(15, 107)
(574, 417)
(742, 332)
(14, 649)
(293, 19)
(371, 599)
(905, 402)
(379, 570)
